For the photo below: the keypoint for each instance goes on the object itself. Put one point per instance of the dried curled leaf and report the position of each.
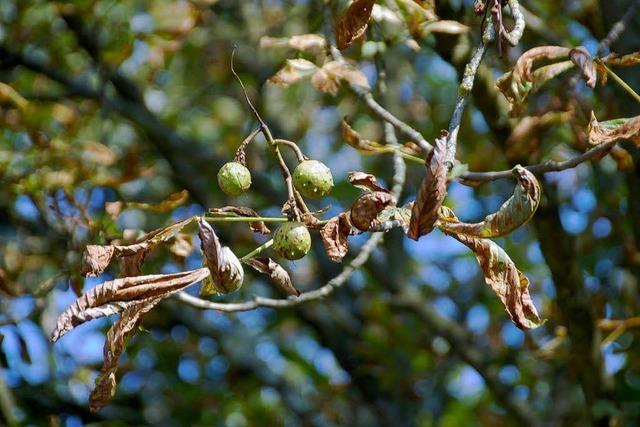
(334, 236)
(581, 57)
(169, 204)
(255, 226)
(117, 295)
(501, 274)
(295, 70)
(352, 138)
(365, 181)
(365, 210)
(445, 27)
(226, 271)
(516, 85)
(326, 78)
(614, 130)
(312, 43)
(96, 258)
(278, 275)
(354, 22)
(513, 214)
(432, 192)
(117, 337)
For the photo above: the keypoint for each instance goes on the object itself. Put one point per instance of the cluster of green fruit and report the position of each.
(311, 178)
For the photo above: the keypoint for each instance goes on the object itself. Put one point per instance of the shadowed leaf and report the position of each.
(365, 210)
(334, 236)
(581, 57)
(365, 181)
(117, 337)
(353, 23)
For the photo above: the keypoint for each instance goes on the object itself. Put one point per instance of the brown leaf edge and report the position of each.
(353, 23)
(501, 274)
(118, 295)
(335, 235)
(432, 192)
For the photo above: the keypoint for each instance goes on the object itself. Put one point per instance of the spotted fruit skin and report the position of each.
(312, 179)
(292, 240)
(234, 178)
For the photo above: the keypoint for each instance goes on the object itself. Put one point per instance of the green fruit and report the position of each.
(234, 178)
(292, 240)
(313, 179)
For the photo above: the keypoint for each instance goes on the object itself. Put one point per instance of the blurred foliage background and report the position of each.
(106, 101)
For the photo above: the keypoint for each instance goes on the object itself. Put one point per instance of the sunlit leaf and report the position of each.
(501, 274)
(334, 236)
(117, 295)
(513, 214)
(614, 130)
(226, 271)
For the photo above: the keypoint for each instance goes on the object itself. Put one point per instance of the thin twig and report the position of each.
(464, 90)
(294, 198)
(293, 146)
(240, 156)
(540, 168)
(365, 93)
(618, 28)
(618, 80)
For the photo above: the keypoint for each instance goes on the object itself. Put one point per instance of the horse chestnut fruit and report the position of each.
(234, 178)
(292, 240)
(313, 179)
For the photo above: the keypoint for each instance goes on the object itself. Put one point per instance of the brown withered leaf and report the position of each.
(431, 193)
(294, 70)
(117, 337)
(365, 210)
(628, 60)
(117, 295)
(327, 79)
(96, 258)
(501, 274)
(181, 246)
(614, 130)
(365, 181)
(445, 27)
(312, 43)
(256, 226)
(226, 271)
(353, 138)
(276, 273)
(516, 85)
(513, 213)
(353, 23)
(581, 57)
(334, 236)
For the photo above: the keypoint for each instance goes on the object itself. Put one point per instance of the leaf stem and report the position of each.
(618, 80)
(259, 249)
(246, 218)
